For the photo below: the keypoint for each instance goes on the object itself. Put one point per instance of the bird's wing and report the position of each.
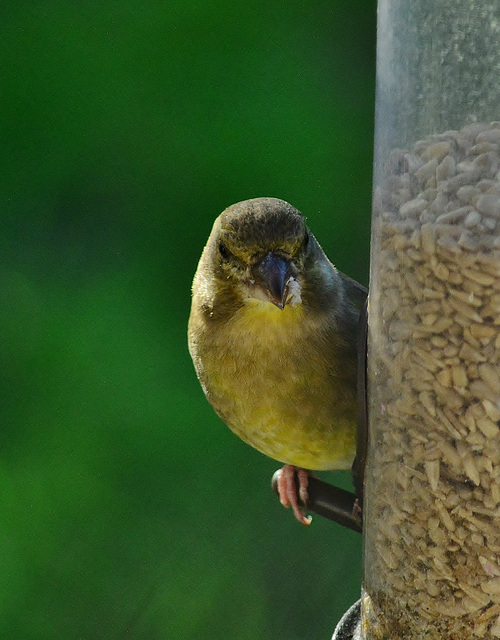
(356, 292)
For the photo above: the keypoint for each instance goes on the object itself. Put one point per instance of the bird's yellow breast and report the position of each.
(271, 378)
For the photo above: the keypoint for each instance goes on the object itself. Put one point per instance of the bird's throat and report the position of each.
(262, 315)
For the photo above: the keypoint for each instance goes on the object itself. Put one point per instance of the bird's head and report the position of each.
(260, 247)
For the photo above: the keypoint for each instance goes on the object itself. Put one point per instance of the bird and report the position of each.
(273, 333)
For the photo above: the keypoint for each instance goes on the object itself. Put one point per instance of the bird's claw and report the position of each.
(288, 479)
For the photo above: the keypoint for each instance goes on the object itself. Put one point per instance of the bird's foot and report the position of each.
(357, 511)
(289, 479)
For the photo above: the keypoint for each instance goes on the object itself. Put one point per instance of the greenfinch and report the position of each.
(273, 337)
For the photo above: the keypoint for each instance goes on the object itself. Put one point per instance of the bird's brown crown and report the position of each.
(253, 227)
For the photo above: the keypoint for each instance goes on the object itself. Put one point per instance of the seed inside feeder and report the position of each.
(433, 518)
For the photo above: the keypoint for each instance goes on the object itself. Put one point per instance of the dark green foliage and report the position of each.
(127, 509)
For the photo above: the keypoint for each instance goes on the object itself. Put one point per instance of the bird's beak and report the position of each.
(274, 273)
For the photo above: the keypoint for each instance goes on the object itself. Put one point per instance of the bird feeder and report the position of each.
(432, 486)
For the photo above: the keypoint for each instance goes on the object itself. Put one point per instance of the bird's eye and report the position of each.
(223, 250)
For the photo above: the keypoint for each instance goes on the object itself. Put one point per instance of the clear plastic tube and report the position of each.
(432, 490)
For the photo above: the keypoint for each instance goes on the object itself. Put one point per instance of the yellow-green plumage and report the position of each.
(283, 379)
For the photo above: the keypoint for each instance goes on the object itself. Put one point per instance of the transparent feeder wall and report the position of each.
(432, 509)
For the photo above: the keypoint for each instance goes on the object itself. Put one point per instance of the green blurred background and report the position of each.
(127, 509)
